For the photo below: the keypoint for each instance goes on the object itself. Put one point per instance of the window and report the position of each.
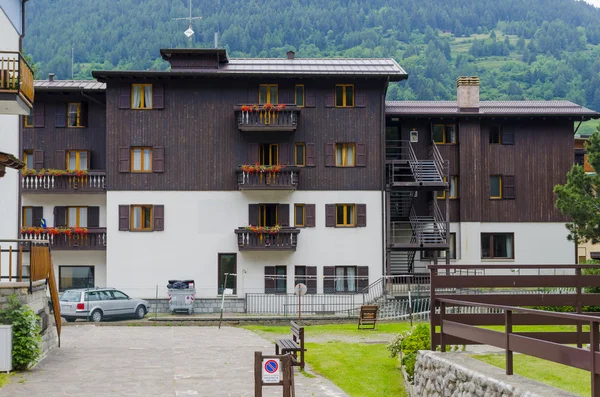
(300, 154)
(118, 295)
(227, 271)
(444, 133)
(268, 93)
(299, 219)
(28, 160)
(280, 279)
(141, 217)
(267, 215)
(345, 279)
(141, 159)
(345, 215)
(77, 216)
(453, 189)
(306, 275)
(77, 160)
(71, 277)
(74, 115)
(27, 217)
(141, 97)
(442, 254)
(28, 120)
(497, 246)
(268, 154)
(496, 186)
(495, 134)
(345, 154)
(299, 95)
(344, 96)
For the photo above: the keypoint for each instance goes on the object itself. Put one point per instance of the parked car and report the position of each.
(100, 303)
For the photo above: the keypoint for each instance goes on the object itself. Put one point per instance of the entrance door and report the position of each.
(227, 264)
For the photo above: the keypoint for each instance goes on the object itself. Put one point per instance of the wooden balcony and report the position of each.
(93, 182)
(285, 179)
(94, 240)
(260, 119)
(16, 84)
(284, 240)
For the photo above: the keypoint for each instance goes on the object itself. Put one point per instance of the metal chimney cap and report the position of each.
(51, 76)
(290, 54)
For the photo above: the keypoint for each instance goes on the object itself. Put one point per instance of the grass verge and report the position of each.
(5, 379)
(333, 329)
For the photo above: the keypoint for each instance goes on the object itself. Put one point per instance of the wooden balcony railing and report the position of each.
(94, 240)
(284, 240)
(285, 179)
(16, 76)
(267, 120)
(93, 182)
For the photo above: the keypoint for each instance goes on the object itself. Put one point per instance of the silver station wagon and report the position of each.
(100, 303)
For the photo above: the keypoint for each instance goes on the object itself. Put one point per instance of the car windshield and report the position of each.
(70, 296)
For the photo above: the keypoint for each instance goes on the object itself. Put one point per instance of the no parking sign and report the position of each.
(271, 370)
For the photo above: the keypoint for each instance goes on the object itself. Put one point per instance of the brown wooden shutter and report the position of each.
(361, 155)
(508, 136)
(311, 279)
(283, 214)
(508, 187)
(159, 218)
(329, 215)
(124, 158)
(123, 217)
(60, 115)
(330, 100)
(125, 96)
(363, 278)
(328, 279)
(61, 159)
(60, 216)
(252, 153)
(361, 215)
(360, 100)
(158, 159)
(310, 154)
(310, 100)
(284, 153)
(93, 216)
(253, 214)
(39, 115)
(270, 279)
(38, 214)
(38, 159)
(84, 114)
(309, 215)
(330, 155)
(158, 96)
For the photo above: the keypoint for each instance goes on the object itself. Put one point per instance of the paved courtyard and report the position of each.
(156, 361)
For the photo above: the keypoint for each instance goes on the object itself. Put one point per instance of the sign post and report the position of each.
(300, 289)
(273, 371)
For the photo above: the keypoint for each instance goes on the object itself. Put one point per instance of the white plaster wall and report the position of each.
(9, 37)
(82, 258)
(199, 225)
(49, 201)
(9, 184)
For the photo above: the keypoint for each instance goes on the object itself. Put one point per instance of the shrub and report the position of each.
(26, 339)
(408, 344)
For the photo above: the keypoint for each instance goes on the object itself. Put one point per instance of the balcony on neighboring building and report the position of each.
(69, 239)
(70, 182)
(16, 84)
(267, 239)
(261, 118)
(257, 177)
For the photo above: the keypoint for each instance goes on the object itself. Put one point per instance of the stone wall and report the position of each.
(459, 375)
(231, 305)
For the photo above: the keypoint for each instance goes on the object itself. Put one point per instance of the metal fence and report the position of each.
(315, 304)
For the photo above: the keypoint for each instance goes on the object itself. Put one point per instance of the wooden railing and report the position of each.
(16, 75)
(93, 182)
(94, 240)
(285, 239)
(263, 120)
(286, 179)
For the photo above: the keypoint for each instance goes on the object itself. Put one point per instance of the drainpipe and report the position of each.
(383, 182)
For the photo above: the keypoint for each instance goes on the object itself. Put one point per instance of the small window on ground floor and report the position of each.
(306, 275)
(345, 279)
(442, 254)
(227, 272)
(497, 246)
(72, 277)
(275, 279)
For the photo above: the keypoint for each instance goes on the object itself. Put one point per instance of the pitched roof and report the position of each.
(489, 108)
(74, 85)
(8, 160)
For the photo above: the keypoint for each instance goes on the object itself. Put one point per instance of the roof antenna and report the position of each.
(189, 33)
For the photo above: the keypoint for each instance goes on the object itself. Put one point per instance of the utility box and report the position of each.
(5, 348)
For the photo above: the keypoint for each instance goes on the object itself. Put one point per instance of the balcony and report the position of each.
(93, 182)
(284, 179)
(16, 84)
(285, 239)
(257, 118)
(93, 240)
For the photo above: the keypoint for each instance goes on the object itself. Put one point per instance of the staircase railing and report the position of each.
(428, 229)
(442, 166)
(374, 291)
(440, 221)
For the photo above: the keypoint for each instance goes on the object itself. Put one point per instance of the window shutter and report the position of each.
(508, 187)
(124, 159)
(361, 155)
(158, 159)
(310, 100)
(60, 115)
(158, 96)
(363, 278)
(93, 214)
(38, 159)
(310, 154)
(329, 100)
(309, 215)
(159, 218)
(283, 213)
(361, 215)
(328, 279)
(360, 100)
(329, 215)
(311, 279)
(252, 153)
(284, 153)
(39, 115)
(253, 214)
(38, 214)
(60, 216)
(330, 155)
(508, 136)
(123, 217)
(269, 279)
(84, 114)
(125, 96)
(61, 159)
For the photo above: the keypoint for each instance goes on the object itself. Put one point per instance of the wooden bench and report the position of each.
(294, 345)
(368, 316)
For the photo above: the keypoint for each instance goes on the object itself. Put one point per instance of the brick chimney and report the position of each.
(51, 76)
(467, 94)
(290, 54)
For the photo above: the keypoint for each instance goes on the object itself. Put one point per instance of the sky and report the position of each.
(594, 2)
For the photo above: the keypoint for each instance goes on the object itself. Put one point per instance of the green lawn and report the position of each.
(5, 379)
(334, 329)
(561, 376)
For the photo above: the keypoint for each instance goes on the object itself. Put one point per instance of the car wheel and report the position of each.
(69, 319)
(140, 312)
(96, 316)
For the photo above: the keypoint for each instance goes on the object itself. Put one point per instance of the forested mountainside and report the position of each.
(521, 49)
